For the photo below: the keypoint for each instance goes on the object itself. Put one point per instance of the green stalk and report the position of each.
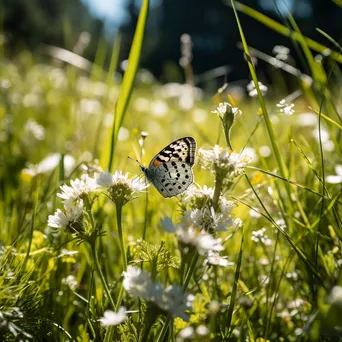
(99, 271)
(122, 250)
(263, 107)
(121, 239)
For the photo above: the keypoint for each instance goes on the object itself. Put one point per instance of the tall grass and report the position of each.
(270, 209)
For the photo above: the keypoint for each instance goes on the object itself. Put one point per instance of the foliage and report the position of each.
(252, 252)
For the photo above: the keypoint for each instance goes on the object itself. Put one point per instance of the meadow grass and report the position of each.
(251, 253)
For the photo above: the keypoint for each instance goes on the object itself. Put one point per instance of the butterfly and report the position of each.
(170, 170)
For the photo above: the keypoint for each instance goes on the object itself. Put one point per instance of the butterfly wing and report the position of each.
(182, 150)
(172, 178)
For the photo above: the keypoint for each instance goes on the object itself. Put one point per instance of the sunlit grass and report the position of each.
(281, 278)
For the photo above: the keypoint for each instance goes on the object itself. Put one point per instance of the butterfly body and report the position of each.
(170, 171)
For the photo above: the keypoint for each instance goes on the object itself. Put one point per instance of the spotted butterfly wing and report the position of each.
(170, 171)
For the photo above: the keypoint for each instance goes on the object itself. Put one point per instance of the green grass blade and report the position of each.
(285, 31)
(235, 288)
(263, 107)
(129, 77)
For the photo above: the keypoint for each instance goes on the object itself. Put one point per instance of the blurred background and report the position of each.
(81, 26)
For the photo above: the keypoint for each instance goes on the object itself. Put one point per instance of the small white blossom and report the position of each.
(172, 299)
(223, 161)
(202, 330)
(138, 283)
(70, 281)
(335, 179)
(111, 318)
(215, 259)
(121, 188)
(335, 296)
(204, 242)
(285, 107)
(186, 333)
(206, 219)
(63, 218)
(281, 52)
(260, 236)
(77, 188)
(175, 301)
(252, 92)
(33, 128)
(223, 107)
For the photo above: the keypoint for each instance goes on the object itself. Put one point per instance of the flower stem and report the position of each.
(122, 250)
(217, 191)
(121, 240)
(99, 271)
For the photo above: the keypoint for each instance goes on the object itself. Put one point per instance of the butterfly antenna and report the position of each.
(136, 160)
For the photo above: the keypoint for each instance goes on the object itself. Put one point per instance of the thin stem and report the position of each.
(99, 271)
(121, 240)
(122, 251)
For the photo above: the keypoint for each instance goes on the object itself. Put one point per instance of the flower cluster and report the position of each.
(224, 163)
(285, 107)
(260, 236)
(120, 187)
(172, 299)
(78, 197)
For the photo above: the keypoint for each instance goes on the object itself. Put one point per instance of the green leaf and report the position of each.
(129, 77)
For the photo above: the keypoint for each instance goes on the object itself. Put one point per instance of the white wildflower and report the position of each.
(204, 242)
(335, 296)
(70, 281)
(50, 163)
(223, 107)
(260, 236)
(121, 188)
(66, 217)
(252, 92)
(285, 107)
(223, 161)
(206, 219)
(111, 318)
(175, 301)
(172, 299)
(202, 330)
(36, 130)
(77, 189)
(281, 52)
(186, 333)
(138, 283)
(215, 259)
(335, 179)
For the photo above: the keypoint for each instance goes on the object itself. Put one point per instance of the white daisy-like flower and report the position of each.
(215, 259)
(103, 179)
(206, 219)
(77, 188)
(206, 243)
(223, 161)
(121, 188)
(139, 283)
(63, 218)
(224, 107)
(335, 179)
(111, 318)
(175, 301)
(252, 92)
(172, 299)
